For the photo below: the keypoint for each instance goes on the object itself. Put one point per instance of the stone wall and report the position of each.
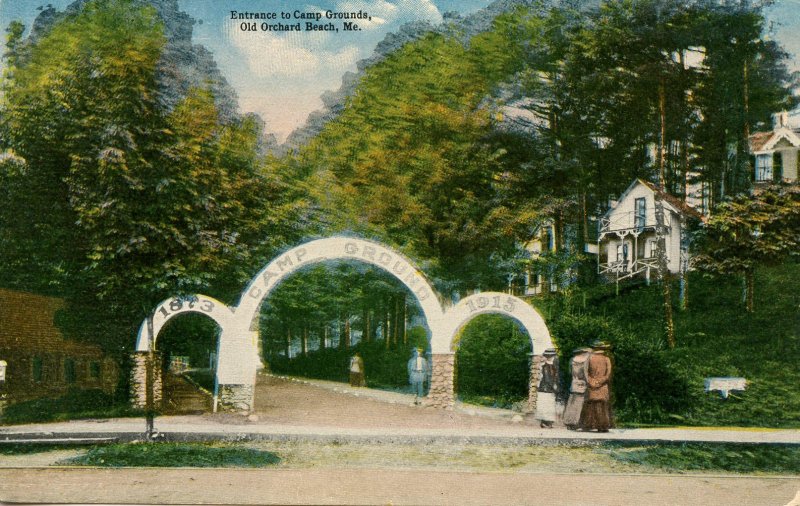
(139, 380)
(441, 393)
(237, 397)
(533, 387)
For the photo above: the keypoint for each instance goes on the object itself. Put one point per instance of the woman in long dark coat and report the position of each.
(597, 412)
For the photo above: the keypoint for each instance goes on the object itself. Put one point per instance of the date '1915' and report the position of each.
(484, 302)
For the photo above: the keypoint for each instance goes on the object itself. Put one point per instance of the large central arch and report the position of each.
(238, 359)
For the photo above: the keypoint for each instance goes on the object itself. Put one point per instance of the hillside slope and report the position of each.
(715, 337)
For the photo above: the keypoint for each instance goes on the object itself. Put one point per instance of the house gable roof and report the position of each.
(677, 205)
(766, 141)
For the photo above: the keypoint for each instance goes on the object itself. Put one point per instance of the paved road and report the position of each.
(376, 486)
(287, 409)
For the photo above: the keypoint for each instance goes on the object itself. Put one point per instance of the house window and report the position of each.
(640, 213)
(36, 369)
(650, 248)
(69, 370)
(777, 166)
(94, 370)
(622, 252)
(764, 167)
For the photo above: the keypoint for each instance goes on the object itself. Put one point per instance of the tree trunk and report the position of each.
(347, 333)
(749, 277)
(663, 271)
(662, 138)
(405, 315)
(684, 290)
(288, 343)
(387, 332)
(366, 336)
(324, 338)
(395, 321)
(304, 342)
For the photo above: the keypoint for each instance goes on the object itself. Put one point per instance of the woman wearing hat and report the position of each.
(577, 388)
(597, 413)
(548, 386)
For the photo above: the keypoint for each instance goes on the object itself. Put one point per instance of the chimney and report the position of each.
(780, 120)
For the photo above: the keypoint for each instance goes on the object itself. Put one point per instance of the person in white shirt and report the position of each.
(417, 373)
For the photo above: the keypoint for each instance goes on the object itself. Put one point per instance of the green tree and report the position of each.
(121, 203)
(751, 230)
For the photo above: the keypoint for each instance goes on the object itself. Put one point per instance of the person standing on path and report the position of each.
(597, 412)
(577, 388)
(357, 371)
(417, 372)
(548, 387)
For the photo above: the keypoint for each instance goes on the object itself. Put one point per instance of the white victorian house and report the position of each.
(627, 233)
(776, 152)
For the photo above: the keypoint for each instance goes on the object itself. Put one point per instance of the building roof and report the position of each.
(26, 324)
(766, 141)
(672, 200)
(675, 203)
(758, 140)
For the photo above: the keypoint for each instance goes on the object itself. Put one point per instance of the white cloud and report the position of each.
(393, 12)
(292, 54)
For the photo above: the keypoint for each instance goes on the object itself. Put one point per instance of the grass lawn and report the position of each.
(728, 457)
(588, 458)
(173, 455)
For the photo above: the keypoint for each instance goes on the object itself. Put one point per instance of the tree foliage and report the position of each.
(119, 201)
(751, 230)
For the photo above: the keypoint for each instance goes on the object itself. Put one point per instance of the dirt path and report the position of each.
(283, 401)
(377, 486)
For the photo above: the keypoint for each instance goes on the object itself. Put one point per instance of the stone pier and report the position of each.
(236, 397)
(139, 380)
(441, 393)
(533, 386)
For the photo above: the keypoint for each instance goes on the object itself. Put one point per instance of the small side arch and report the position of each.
(494, 302)
(174, 306)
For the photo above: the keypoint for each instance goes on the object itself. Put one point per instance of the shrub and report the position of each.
(77, 403)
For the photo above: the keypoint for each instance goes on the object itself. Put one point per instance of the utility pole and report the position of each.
(149, 380)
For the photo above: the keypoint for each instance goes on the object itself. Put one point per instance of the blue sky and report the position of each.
(281, 76)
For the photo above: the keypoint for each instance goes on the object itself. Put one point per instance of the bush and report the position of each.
(492, 362)
(77, 403)
(646, 386)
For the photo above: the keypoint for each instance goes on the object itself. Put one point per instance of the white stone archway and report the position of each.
(238, 358)
(165, 311)
(236, 377)
(456, 317)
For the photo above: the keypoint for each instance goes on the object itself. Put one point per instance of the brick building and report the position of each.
(41, 363)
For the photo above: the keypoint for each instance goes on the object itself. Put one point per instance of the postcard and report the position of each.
(399, 252)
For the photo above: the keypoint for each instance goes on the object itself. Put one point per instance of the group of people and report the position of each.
(589, 403)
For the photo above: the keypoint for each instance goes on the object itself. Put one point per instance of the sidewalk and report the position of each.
(293, 420)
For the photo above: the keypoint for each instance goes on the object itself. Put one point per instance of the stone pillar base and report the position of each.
(441, 394)
(236, 397)
(139, 381)
(533, 386)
